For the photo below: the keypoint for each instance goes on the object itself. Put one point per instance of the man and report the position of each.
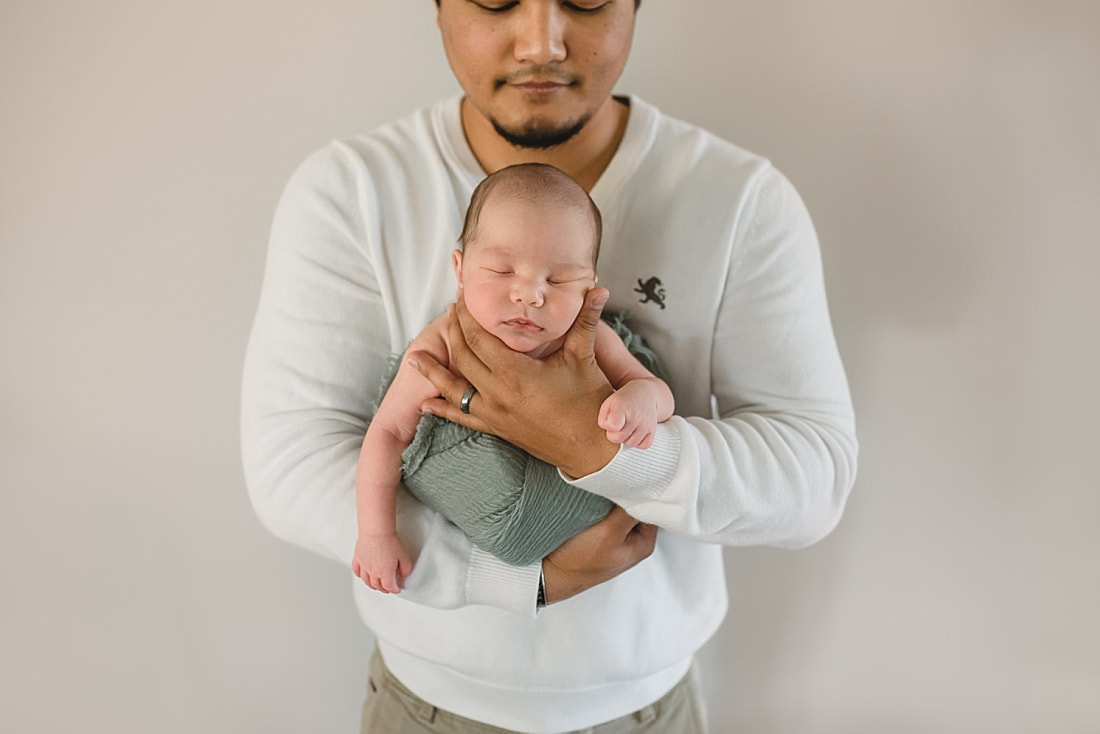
(711, 251)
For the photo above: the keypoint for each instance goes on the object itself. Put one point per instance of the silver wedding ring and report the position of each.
(464, 404)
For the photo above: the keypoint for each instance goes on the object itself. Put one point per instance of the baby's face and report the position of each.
(525, 275)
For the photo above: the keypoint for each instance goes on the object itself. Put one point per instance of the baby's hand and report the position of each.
(382, 562)
(630, 420)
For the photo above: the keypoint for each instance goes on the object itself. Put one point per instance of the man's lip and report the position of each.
(538, 81)
(541, 83)
(540, 87)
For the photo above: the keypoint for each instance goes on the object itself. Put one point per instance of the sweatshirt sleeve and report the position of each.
(321, 339)
(776, 464)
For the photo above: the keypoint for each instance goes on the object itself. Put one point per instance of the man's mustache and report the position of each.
(538, 75)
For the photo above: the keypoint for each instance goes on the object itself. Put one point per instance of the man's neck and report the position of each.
(584, 157)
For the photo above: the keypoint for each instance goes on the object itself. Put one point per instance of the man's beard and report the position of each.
(539, 137)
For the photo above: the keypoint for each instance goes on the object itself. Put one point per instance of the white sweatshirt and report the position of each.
(358, 264)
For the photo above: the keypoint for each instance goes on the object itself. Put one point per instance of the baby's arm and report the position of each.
(641, 400)
(381, 560)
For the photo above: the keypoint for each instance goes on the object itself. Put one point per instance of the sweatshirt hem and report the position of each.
(532, 710)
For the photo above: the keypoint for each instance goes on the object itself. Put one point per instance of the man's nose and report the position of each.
(540, 33)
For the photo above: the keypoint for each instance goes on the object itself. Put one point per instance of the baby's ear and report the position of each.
(456, 261)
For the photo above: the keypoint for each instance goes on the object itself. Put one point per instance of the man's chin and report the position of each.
(539, 137)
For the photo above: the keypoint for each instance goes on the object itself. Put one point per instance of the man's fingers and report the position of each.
(633, 541)
(647, 540)
(445, 381)
(442, 408)
(450, 387)
(639, 543)
(646, 531)
(618, 522)
(639, 538)
(469, 342)
(581, 338)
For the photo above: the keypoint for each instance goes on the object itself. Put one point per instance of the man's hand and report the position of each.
(596, 554)
(548, 407)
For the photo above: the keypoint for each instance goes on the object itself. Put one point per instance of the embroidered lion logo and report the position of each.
(652, 290)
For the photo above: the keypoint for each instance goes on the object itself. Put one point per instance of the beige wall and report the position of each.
(949, 152)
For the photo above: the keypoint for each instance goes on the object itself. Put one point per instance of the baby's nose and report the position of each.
(529, 293)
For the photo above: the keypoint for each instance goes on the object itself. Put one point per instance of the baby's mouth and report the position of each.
(522, 324)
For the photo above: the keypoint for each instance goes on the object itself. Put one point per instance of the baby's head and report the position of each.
(529, 248)
(540, 185)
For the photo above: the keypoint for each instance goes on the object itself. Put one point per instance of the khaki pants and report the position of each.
(391, 708)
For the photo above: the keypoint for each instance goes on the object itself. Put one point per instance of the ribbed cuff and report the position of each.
(636, 474)
(493, 582)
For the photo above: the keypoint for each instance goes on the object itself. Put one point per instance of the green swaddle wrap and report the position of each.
(507, 502)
